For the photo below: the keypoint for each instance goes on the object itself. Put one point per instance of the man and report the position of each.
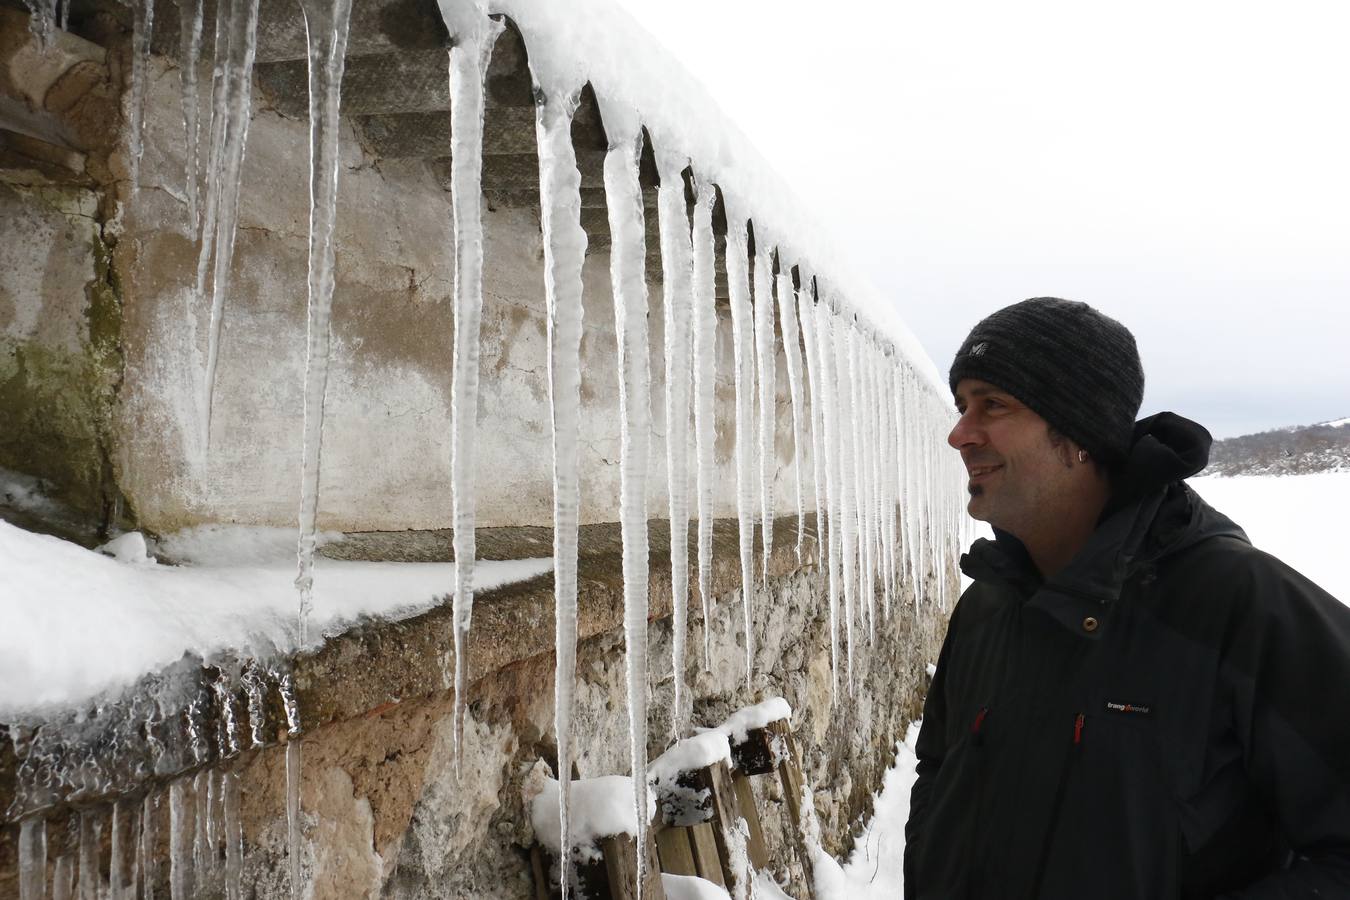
(1132, 701)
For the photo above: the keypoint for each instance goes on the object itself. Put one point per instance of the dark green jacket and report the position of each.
(1169, 717)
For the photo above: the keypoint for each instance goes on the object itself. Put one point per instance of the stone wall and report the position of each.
(385, 814)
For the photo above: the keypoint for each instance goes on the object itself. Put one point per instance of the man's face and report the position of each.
(1017, 472)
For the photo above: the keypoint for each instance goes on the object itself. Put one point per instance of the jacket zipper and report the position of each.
(977, 745)
(1075, 751)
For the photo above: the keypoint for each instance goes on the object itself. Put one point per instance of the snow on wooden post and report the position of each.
(691, 780)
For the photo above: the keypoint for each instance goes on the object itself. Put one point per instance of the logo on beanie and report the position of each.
(978, 349)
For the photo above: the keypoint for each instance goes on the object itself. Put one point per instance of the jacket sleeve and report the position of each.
(931, 749)
(1287, 665)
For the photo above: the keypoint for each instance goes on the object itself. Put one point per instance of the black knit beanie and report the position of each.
(1074, 367)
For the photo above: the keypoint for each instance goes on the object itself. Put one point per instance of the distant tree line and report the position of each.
(1285, 451)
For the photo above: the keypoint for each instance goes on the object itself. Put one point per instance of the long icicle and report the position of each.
(848, 505)
(147, 844)
(705, 385)
(474, 35)
(228, 166)
(766, 370)
(856, 419)
(142, 27)
(623, 196)
(117, 851)
(190, 16)
(564, 255)
(677, 285)
(326, 23)
(32, 859)
(738, 286)
(792, 352)
(215, 145)
(806, 314)
(833, 456)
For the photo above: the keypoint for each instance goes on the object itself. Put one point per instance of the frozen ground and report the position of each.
(78, 622)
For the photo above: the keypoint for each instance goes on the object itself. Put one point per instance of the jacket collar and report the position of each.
(1152, 515)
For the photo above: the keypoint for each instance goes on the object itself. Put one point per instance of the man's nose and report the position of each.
(964, 433)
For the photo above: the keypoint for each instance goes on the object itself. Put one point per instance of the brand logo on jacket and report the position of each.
(1138, 709)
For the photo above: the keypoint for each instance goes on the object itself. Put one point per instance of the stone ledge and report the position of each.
(193, 715)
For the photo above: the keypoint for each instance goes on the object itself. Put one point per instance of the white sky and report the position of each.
(1183, 166)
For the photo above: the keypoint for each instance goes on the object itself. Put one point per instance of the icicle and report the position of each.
(892, 461)
(229, 726)
(227, 165)
(705, 384)
(677, 276)
(180, 842)
(766, 369)
(738, 286)
(32, 859)
(133, 876)
(65, 13)
(856, 418)
(326, 24)
(254, 688)
(42, 16)
(832, 456)
(792, 351)
(63, 879)
(848, 506)
(142, 25)
(623, 195)
(294, 766)
(90, 831)
(869, 417)
(203, 855)
(914, 512)
(234, 838)
(190, 17)
(116, 874)
(326, 27)
(147, 844)
(215, 147)
(806, 313)
(474, 35)
(564, 255)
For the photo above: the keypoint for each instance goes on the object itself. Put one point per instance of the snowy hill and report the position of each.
(1297, 450)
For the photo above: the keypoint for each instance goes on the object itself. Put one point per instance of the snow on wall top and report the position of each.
(595, 41)
(103, 622)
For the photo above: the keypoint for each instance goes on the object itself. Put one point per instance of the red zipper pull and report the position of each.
(1078, 729)
(979, 720)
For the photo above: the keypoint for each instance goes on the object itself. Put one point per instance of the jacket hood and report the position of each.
(1152, 515)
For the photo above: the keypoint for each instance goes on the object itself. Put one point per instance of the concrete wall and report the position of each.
(386, 450)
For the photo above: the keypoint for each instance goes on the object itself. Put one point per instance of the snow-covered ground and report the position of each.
(76, 622)
(1299, 518)
(875, 868)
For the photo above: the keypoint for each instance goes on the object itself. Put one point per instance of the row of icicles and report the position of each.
(885, 491)
(224, 717)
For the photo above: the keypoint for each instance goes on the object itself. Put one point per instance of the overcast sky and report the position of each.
(1183, 166)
